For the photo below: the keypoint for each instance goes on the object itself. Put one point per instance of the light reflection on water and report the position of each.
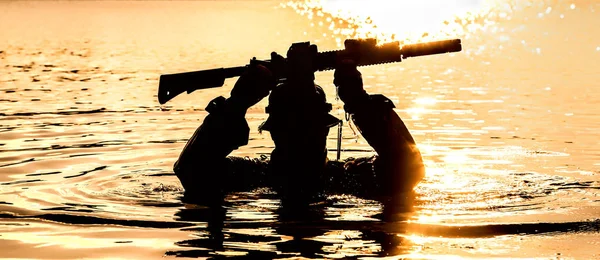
(508, 134)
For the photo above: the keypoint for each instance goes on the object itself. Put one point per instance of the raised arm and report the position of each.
(399, 165)
(202, 162)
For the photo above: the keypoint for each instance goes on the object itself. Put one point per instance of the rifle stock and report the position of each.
(363, 51)
(171, 85)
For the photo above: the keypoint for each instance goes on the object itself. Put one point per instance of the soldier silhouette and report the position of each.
(299, 122)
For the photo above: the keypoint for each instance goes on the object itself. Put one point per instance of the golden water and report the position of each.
(508, 129)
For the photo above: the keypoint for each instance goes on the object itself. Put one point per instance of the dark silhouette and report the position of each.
(362, 51)
(298, 169)
(299, 123)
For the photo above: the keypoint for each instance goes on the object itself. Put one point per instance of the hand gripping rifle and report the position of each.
(362, 51)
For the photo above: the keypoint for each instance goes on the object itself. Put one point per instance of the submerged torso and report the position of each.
(353, 176)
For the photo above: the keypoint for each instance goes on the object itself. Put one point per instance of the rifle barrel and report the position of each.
(430, 48)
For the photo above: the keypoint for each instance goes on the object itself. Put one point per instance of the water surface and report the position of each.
(508, 130)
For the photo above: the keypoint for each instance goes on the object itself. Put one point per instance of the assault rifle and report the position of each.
(362, 51)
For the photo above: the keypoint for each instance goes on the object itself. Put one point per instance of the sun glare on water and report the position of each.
(408, 21)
